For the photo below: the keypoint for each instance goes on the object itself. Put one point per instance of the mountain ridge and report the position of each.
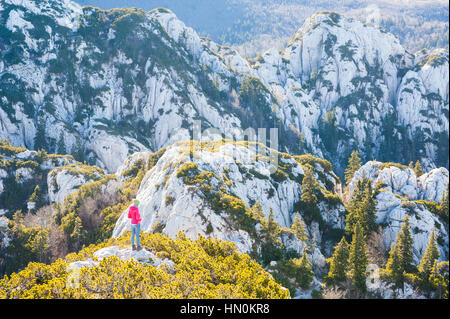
(305, 120)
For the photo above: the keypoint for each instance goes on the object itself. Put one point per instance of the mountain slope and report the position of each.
(212, 194)
(256, 25)
(84, 80)
(347, 86)
(222, 189)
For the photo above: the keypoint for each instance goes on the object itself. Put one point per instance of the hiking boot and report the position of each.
(133, 247)
(139, 248)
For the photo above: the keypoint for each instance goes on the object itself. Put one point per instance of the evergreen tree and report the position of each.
(271, 230)
(361, 208)
(299, 229)
(329, 131)
(393, 267)
(77, 151)
(418, 169)
(358, 259)
(443, 206)
(438, 282)
(72, 226)
(429, 257)
(258, 212)
(405, 247)
(36, 197)
(354, 163)
(271, 245)
(304, 273)
(309, 186)
(309, 197)
(411, 165)
(40, 141)
(338, 263)
(76, 235)
(61, 145)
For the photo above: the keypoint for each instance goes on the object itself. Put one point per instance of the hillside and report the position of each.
(315, 171)
(83, 84)
(276, 211)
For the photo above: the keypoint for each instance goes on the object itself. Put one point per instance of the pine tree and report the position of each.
(309, 197)
(258, 212)
(405, 247)
(40, 141)
(338, 263)
(77, 233)
(418, 169)
(354, 163)
(358, 259)
(443, 205)
(309, 187)
(393, 267)
(367, 211)
(61, 145)
(271, 229)
(270, 232)
(429, 257)
(362, 208)
(77, 151)
(304, 272)
(299, 229)
(36, 197)
(438, 282)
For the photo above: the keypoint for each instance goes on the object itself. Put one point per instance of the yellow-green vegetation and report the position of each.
(390, 164)
(7, 149)
(293, 273)
(218, 197)
(188, 168)
(90, 172)
(204, 268)
(311, 160)
(68, 215)
(433, 60)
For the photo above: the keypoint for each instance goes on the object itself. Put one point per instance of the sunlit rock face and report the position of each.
(82, 77)
(398, 198)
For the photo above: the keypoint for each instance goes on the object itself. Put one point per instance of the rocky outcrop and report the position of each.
(65, 180)
(400, 196)
(143, 256)
(56, 176)
(170, 202)
(402, 180)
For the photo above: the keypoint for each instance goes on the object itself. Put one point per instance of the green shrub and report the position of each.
(204, 268)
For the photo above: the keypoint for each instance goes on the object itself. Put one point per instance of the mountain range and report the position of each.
(102, 106)
(83, 80)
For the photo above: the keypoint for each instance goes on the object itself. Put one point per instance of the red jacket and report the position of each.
(133, 213)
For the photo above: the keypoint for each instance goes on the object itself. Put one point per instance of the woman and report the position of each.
(133, 213)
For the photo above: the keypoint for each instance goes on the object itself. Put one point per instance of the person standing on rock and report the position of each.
(133, 214)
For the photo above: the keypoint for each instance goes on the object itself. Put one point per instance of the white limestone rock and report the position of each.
(169, 204)
(142, 256)
(332, 62)
(403, 181)
(396, 201)
(65, 180)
